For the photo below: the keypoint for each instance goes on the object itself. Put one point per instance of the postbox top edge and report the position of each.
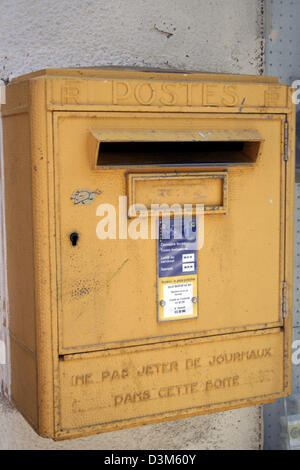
(136, 73)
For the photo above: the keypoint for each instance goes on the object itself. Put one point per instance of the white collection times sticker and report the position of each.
(178, 299)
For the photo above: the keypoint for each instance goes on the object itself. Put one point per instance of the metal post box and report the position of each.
(104, 332)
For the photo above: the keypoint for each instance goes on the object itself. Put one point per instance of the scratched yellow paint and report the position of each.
(238, 248)
(88, 352)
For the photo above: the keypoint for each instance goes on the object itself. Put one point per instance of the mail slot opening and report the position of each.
(177, 153)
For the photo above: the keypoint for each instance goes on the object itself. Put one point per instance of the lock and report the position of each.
(152, 279)
(74, 238)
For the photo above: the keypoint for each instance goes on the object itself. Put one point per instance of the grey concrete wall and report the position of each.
(238, 429)
(208, 35)
(283, 60)
(202, 35)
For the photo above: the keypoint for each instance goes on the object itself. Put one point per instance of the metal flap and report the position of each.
(204, 135)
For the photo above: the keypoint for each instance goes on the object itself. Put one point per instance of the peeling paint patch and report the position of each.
(83, 196)
(202, 135)
(242, 104)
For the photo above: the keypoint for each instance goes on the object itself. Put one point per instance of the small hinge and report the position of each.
(284, 304)
(286, 142)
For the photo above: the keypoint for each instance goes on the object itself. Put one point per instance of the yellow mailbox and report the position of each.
(111, 326)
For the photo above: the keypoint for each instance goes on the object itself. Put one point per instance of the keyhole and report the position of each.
(74, 238)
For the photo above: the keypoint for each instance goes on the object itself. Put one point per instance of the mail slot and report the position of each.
(149, 246)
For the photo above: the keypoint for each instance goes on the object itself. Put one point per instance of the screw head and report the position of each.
(194, 300)
(162, 303)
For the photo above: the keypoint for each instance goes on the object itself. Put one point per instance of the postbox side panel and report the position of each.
(109, 390)
(19, 233)
(20, 257)
(108, 288)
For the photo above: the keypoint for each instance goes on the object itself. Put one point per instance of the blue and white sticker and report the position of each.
(177, 269)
